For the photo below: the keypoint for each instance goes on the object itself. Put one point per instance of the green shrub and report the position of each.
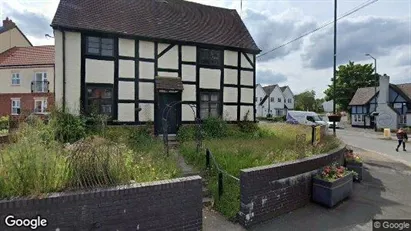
(214, 127)
(247, 126)
(68, 128)
(187, 133)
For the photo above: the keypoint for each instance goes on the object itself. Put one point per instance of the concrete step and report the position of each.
(206, 192)
(208, 202)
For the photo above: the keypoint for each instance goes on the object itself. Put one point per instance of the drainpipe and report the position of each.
(64, 71)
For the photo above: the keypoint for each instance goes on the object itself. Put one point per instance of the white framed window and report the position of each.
(40, 82)
(15, 106)
(15, 79)
(40, 105)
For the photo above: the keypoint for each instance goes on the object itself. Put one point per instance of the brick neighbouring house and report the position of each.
(26, 73)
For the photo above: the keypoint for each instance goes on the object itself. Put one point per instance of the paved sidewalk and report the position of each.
(384, 193)
(213, 221)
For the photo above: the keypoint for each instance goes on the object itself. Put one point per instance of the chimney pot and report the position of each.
(8, 23)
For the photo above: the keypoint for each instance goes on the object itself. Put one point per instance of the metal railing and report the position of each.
(40, 86)
(221, 172)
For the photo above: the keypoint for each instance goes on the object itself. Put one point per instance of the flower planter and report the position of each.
(334, 118)
(331, 193)
(356, 167)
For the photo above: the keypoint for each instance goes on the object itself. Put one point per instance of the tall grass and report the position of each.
(36, 163)
(275, 143)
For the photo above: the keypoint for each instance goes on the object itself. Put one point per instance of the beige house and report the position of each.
(11, 36)
(26, 73)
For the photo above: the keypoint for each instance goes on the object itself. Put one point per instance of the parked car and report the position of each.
(305, 117)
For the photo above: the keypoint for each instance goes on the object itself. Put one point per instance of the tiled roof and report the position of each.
(176, 20)
(405, 88)
(283, 88)
(268, 89)
(363, 95)
(169, 83)
(38, 55)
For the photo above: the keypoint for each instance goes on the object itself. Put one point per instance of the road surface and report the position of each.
(374, 142)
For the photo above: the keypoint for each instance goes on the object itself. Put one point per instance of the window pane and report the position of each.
(214, 113)
(107, 41)
(93, 39)
(93, 50)
(214, 97)
(204, 97)
(107, 93)
(203, 113)
(93, 45)
(107, 47)
(107, 52)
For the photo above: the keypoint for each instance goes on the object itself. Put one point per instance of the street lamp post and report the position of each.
(375, 87)
(335, 61)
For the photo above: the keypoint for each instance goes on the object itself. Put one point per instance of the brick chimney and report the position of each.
(8, 23)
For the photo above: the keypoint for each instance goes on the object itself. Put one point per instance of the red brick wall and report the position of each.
(26, 102)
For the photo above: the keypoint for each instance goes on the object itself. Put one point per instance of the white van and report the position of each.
(305, 117)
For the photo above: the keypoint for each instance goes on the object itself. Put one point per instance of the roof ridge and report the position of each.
(197, 3)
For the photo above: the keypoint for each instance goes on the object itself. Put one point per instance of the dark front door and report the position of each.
(165, 101)
(372, 121)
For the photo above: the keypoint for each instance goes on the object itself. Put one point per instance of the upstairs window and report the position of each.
(272, 99)
(279, 100)
(209, 57)
(100, 46)
(289, 101)
(15, 79)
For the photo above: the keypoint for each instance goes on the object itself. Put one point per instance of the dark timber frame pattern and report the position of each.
(116, 58)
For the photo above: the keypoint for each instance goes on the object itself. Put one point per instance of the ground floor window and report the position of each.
(15, 106)
(403, 119)
(99, 99)
(40, 105)
(209, 104)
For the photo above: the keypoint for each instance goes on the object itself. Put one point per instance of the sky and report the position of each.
(382, 29)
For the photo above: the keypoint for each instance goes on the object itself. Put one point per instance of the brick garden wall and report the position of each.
(269, 191)
(164, 205)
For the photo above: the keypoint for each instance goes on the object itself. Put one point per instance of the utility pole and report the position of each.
(335, 62)
(375, 88)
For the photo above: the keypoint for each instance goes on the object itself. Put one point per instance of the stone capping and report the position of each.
(289, 163)
(67, 197)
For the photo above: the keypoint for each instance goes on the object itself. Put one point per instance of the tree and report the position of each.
(349, 78)
(305, 101)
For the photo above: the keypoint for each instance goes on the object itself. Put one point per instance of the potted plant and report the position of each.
(332, 185)
(334, 117)
(353, 162)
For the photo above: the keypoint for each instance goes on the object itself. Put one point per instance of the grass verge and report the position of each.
(275, 144)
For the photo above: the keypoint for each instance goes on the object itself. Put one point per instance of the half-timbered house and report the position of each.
(129, 59)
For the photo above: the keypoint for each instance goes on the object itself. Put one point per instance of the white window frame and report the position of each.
(43, 81)
(15, 76)
(15, 107)
(43, 109)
